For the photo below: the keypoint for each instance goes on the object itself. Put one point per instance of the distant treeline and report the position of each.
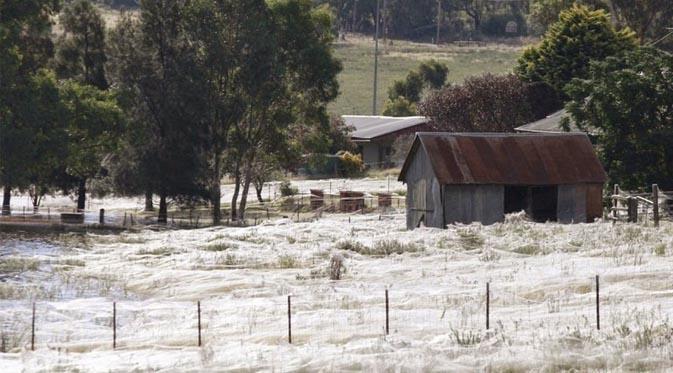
(474, 19)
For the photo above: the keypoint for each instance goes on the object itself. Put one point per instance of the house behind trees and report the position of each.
(375, 135)
(464, 178)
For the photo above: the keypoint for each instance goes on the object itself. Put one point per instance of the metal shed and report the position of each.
(466, 177)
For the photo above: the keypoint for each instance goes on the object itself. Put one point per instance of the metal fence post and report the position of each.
(289, 319)
(488, 305)
(387, 314)
(598, 309)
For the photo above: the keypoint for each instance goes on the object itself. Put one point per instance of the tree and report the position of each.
(410, 88)
(94, 122)
(25, 48)
(629, 102)
(404, 95)
(234, 61)
(648, 18)
(399, 107)
(81, 47)
(152, 63)
(298, 82)
(487, 103)
(580, 36)
(544, 13)
(434, 74)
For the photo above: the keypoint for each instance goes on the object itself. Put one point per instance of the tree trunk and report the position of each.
(216, 193)
(81, 195)
(6, 198)
(259, 188)
(149, 205)
(163, 209)
(234, 198)
(244, 195)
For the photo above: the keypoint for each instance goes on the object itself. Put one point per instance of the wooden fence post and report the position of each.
(615, 202)
(633, 209)
(114, 325)
(598, 309)
(655, 208)
(488, 305)
(387, 315)
(101, 217)
(289, 319)
(32, 331)
(198, 311)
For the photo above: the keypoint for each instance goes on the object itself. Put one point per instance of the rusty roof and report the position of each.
(509, 159)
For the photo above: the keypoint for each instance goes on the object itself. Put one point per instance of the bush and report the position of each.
(399, 107)
(287, 190)
(336, 265)
(487, 103)
(350, 164)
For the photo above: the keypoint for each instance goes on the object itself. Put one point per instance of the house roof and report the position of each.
(550, 124)
(509, 159)
(368, 128)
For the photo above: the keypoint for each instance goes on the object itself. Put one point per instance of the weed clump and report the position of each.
(466, 337)
(381, 248)
(530, 249)
(222, 246)
(470, 239)
(336, 266)
(14, 264)
(660, 250)
(159, 251)
(288, 261)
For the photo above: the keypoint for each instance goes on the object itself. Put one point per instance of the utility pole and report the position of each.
(439, 19)
(376, 55)
(385, 26)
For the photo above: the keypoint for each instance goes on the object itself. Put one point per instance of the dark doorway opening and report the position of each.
(544, 202)
(516, 199)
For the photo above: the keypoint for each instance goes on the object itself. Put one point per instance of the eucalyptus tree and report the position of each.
(81, 47)
(233, 44)
(152, 63)
(25, 48)
(298, 79)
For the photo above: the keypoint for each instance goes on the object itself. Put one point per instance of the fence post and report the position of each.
(488, 304)
(114, 325)
(387, 314)
(633, 209)
(655, 208)
(615, 202)
(198, 311)
(598, 309)
(32, 331)
(124, 222)
(289, 319)
(101, 217)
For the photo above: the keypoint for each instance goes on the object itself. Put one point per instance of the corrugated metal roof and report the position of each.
(509, 159)
(371, 127)
(550, 124)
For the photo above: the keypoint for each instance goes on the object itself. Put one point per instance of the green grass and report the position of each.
(357, 56)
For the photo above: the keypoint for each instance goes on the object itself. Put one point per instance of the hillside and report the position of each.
(357, 55)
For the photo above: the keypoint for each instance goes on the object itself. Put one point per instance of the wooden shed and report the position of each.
(466, 177)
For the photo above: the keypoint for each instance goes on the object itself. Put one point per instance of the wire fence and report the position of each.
(338, 317)
(300, 207)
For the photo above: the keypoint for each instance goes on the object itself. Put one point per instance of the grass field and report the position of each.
(357, 56)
